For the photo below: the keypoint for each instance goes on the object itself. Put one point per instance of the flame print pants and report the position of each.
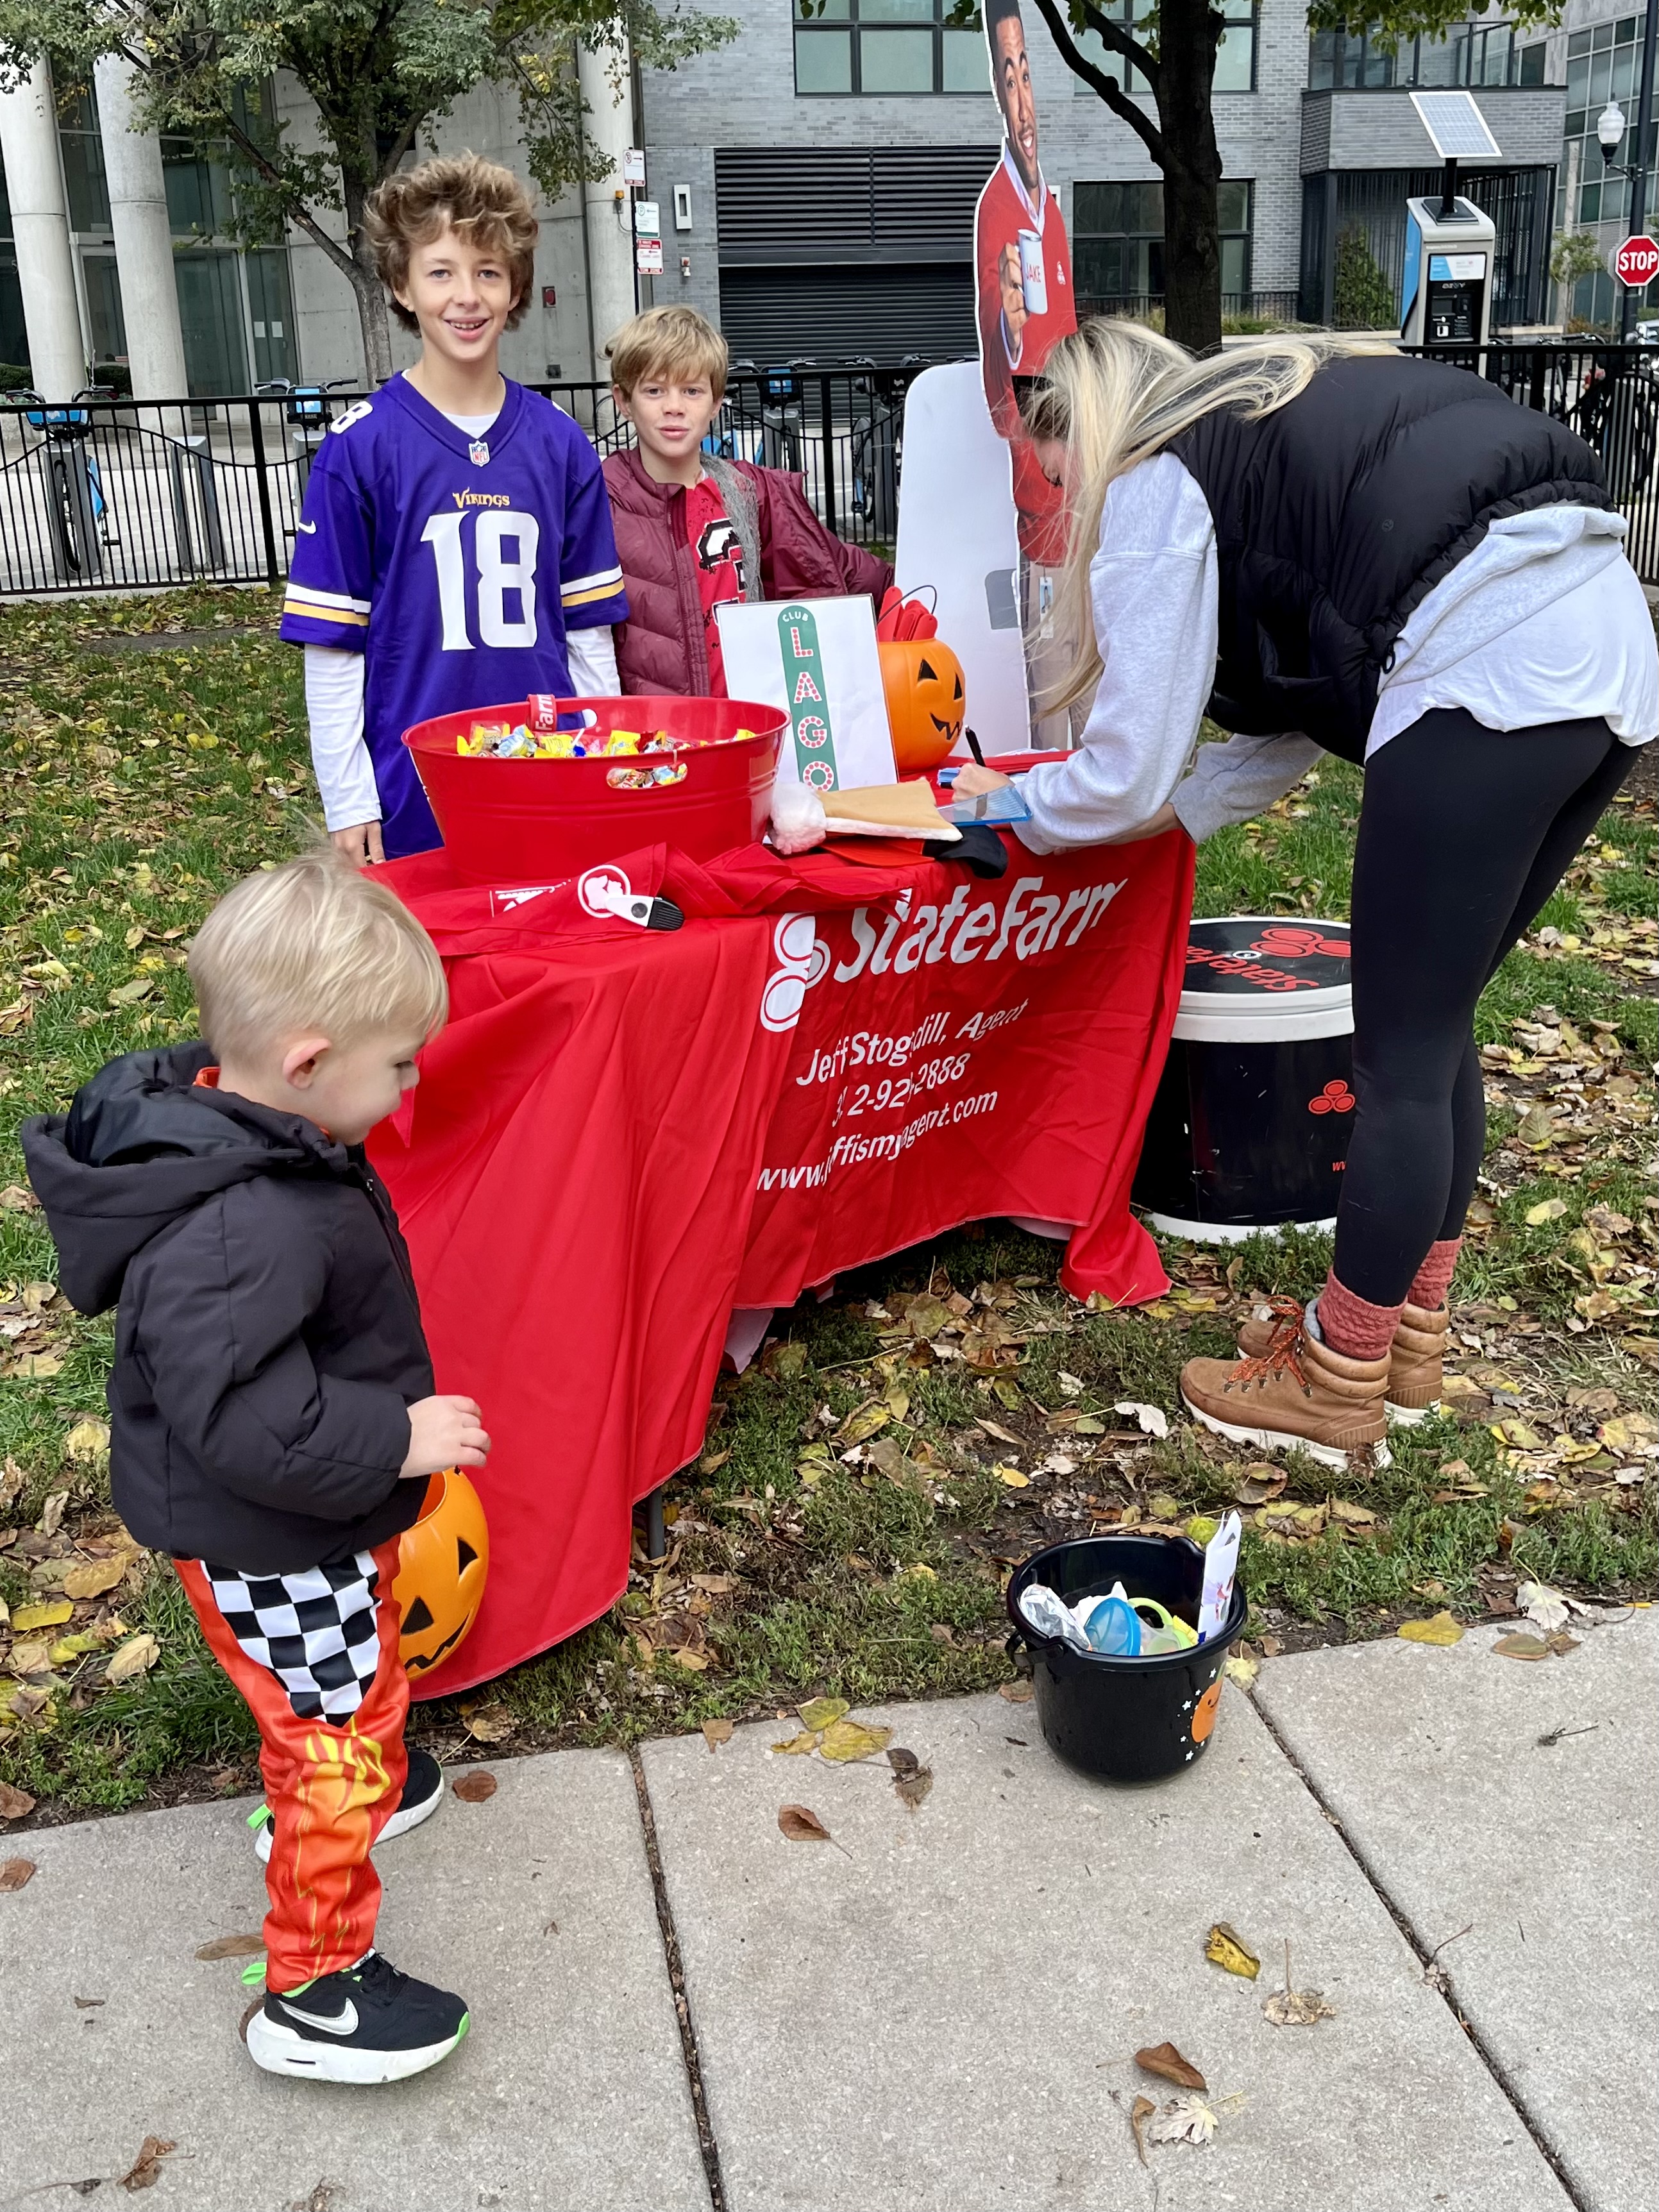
(315, 1656)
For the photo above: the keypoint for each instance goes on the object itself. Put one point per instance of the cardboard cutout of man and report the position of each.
(1024, 264)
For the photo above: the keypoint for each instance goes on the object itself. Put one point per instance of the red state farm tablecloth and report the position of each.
(622, 1133)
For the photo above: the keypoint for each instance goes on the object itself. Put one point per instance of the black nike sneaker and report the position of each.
(423, 1792)
(367, 2023)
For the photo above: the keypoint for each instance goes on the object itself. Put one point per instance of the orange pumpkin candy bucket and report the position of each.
(443, 1562)
(922, 679)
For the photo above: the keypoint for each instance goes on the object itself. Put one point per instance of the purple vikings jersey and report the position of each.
(456, 565)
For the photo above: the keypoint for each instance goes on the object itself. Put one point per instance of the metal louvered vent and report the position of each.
(833, 315)
(784, 207)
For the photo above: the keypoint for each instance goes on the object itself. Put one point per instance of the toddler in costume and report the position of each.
(271, 1409)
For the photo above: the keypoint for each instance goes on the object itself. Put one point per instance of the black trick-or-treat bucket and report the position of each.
(1249, 1128)
(1126, 1720)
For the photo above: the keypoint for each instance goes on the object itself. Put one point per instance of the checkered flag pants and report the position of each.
(315, 1631)
(315, 1655)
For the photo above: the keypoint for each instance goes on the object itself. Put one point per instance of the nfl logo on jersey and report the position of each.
(477, 453)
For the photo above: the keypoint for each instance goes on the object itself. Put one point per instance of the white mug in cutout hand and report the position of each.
(1033, 278)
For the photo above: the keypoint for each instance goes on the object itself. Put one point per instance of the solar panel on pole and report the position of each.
(1456, 128)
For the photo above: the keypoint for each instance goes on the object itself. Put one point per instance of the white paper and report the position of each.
(1220, 1570)
(817, 660)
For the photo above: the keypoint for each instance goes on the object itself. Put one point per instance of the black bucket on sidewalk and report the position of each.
(1126, 1720)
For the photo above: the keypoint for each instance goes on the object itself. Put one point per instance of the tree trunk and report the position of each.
(1189, 33)
(365, 281)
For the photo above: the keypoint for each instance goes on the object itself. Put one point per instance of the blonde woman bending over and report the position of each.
(1336, 548)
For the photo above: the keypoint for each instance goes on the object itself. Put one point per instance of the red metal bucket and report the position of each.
(506, 821)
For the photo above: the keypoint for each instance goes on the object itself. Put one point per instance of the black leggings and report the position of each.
(1464, 832)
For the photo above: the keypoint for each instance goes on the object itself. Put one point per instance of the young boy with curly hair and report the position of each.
(272, 1418)
(455, 549)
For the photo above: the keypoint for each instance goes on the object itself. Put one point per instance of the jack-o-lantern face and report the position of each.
(922, 679)
(441, 1566)
(1204, 1712)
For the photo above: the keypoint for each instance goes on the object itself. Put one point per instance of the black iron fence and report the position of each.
(1240, 308)
(1609, 395)
(106, 493)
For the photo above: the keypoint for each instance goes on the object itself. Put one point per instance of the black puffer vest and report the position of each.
(1336, 515)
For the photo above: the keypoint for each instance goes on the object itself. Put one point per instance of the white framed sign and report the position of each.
(817, 660)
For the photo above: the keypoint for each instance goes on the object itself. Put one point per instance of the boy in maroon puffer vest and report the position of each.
(695, 531)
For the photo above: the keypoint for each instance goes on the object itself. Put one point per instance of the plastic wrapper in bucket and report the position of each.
(1250, 1128)
(1126, 1719)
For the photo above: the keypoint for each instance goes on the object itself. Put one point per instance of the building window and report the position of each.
(1117, 241)
(874, 46)
(83, 165)
(1235, 60)
(1603, 63)
(1474, 53)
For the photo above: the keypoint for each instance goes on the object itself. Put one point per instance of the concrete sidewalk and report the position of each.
(942, 2011)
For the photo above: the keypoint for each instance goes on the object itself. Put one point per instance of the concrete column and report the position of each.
(143, 238)
(609, 124)
(46, 265)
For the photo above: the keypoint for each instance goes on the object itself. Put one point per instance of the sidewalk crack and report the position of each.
(1436, 1977)
(671, 1945)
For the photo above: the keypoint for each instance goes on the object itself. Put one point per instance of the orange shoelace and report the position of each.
(1282, 1355)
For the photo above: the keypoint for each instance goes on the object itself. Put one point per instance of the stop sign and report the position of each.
(1637, 262)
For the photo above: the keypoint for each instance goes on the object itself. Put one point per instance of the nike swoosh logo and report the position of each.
(340, 2023)
(309, 528)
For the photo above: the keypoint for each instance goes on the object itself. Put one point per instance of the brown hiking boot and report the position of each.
(1415, 1363)
(1298, 1395)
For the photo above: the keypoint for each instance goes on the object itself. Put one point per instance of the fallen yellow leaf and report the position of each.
(1012, 1477)
(1225, 1947)
(820, 1712)
(798, 1746)
(1439, 1628)
(40, 1616)
(136, 1657)
(93, 1578)
(1552, 1209)
(844, 1741)
(88, 1440)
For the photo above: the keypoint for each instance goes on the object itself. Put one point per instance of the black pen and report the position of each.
(973, 747)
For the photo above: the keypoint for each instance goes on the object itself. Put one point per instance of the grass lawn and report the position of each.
(864, 1488)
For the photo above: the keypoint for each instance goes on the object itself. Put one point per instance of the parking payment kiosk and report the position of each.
(1450, 244)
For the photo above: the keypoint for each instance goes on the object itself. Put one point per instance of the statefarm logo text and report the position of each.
(1026, 921)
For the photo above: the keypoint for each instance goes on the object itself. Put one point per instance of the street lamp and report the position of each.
(1610, 129)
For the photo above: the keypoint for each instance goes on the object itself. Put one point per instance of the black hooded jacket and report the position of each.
(268, 1337)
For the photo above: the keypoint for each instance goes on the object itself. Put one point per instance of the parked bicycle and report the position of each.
(782, 417)
(308, 411)
(81, 521)
(1617, 414)
(877, 441)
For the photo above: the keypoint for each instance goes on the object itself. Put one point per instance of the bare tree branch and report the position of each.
(1107, 87)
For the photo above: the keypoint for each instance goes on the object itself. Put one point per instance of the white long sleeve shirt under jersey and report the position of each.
(1545, 621)
(334, 703)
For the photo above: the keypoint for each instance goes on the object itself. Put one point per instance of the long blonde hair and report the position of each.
(1116, 393)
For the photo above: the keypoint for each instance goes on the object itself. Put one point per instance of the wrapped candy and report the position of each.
(482, 738)
(623, 742)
